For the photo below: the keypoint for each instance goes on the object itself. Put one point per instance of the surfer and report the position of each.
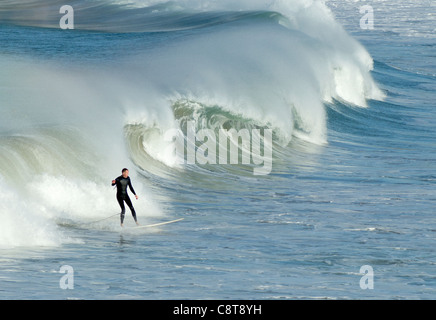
(122, 182)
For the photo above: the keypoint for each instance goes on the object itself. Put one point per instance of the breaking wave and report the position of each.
(67, 128)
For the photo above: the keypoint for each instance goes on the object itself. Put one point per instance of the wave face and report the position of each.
(77, 106)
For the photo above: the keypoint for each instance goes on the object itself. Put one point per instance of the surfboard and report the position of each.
(157, 224)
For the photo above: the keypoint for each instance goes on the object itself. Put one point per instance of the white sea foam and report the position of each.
(26, 223)
(275, 73)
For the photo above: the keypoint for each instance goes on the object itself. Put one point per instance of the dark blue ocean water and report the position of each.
(357, 190)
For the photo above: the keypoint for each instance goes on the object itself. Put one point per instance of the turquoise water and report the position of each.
(354, 169)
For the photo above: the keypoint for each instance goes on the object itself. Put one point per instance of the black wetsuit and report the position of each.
(122, 196)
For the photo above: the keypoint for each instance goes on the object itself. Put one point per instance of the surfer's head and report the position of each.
(125, 172)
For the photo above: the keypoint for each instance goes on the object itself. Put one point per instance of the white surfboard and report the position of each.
(157, 224)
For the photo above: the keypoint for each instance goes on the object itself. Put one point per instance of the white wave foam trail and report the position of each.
(26, 223)
(85, 200)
